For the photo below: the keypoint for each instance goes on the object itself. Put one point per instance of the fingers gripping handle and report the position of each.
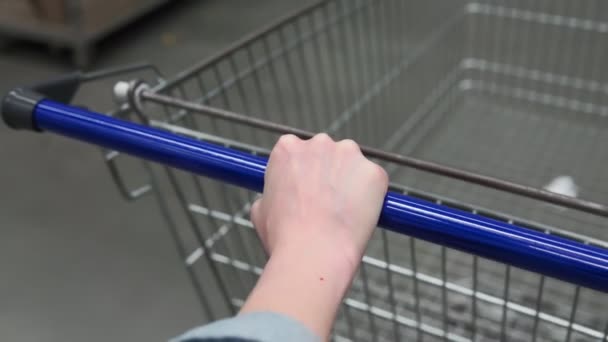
(524, 248)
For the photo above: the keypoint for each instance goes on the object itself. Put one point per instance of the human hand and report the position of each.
(320, 205)
(320, 195)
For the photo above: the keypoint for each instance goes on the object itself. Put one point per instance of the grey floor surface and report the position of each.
(76, 261)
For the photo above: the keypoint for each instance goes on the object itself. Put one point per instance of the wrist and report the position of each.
(323, 249)
(319, 264)
(305, 283)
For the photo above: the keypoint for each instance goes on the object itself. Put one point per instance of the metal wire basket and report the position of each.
(512, 90)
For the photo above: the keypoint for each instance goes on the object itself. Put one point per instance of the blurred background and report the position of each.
(512, 89)
(77, 262)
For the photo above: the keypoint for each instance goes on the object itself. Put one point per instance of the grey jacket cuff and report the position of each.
(254, 326)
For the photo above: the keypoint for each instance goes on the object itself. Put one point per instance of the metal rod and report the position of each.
(417, 311)
(531, 250)
(109, 72)
(479, 179)
(243, 42)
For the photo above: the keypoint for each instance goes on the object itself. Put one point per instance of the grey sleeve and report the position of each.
(254, 326)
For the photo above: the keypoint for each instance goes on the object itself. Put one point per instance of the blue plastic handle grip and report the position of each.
(524, 248)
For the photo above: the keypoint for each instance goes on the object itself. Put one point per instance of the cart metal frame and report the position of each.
(435, 90)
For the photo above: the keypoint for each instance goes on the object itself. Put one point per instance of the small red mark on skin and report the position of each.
(321, 279)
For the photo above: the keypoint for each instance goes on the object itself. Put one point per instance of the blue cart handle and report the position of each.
(549, 255)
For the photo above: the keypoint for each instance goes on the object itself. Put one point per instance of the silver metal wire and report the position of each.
(515, 90)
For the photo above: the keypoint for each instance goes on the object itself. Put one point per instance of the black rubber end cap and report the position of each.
(18, 109)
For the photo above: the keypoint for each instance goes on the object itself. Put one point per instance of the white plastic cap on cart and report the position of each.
(121, 91)
(563, 185)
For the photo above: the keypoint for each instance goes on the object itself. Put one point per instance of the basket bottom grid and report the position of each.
(518, 140)
(432, 290)
(430, 300)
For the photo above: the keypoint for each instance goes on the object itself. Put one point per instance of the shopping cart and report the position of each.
(515, 91)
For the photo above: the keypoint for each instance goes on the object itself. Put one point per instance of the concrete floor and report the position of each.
(78, 262)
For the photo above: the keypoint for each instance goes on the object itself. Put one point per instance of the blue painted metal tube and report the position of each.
(524, 248)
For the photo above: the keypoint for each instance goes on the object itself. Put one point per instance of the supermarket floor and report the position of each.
(78, 262)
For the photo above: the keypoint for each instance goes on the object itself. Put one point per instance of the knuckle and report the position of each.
(284, 145)
(287, 140)
(349, 145)
(379, 174)
(322, 138)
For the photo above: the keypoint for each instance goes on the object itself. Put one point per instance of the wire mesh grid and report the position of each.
(512, 89)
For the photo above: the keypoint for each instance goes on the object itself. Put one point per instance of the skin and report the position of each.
(320, 205)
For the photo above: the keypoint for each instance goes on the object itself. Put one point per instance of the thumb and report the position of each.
(256, 216)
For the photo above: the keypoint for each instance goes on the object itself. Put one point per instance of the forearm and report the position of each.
(304, 283)
(320, 206)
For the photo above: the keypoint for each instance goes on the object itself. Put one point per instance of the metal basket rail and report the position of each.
(536, 251)
(337, 60)
(533, 67)
(512, 90)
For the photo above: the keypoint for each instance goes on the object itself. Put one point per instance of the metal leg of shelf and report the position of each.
(4, 42)
(83, 55)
